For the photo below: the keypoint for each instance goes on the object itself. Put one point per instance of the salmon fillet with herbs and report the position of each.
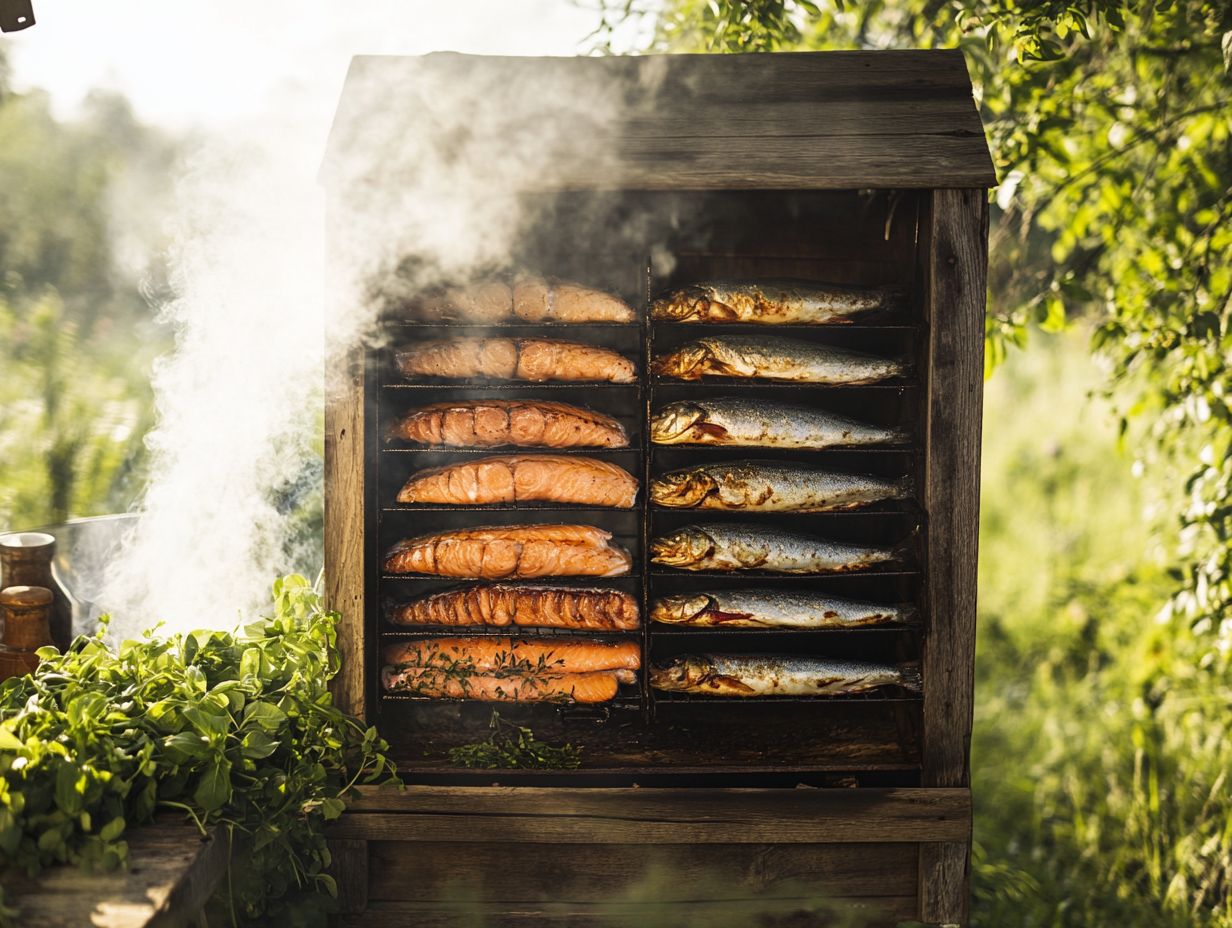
(542, 606)
(498, 551)
(523, 423)
(596, 687)
(485, 654)
(520, 478)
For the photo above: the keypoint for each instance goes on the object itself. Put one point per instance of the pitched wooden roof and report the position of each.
(810, 120)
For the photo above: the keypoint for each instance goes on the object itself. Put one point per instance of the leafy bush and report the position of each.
(236, 730)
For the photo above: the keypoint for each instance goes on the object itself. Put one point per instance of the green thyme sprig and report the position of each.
(512, 746)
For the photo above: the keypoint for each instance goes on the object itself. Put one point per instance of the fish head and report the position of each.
(675, 421)
(682, 547)
(682, 489)
(686, 303)
(682, 673)
(687, 363)
(679, 607)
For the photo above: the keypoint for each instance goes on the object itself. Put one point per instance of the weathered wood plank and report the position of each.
(350, 869)
(538, 815)
(173, 871)
(945, 883)
(788, 163)
(416, 871)
(882, 911)
(957, 269)
(788, 121)
(344, 503)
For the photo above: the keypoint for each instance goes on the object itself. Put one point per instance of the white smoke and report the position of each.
(429, 170)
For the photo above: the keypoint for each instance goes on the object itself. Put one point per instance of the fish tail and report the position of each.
(910, 678)
(904, 551)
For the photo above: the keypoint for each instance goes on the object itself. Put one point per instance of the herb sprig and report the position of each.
(235, 729)
(512, 746)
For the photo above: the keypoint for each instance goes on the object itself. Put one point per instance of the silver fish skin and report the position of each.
(778, 675)
(738, 547)
(774, 609)
(768, 302)
(770, 486)
(755, 423)
(771, 357)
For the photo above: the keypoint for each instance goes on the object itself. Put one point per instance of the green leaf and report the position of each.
(264, 714)
(113, 829)
(214, 787)
(257, 745)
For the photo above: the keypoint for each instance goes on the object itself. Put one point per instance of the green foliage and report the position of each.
(1101, 744)
(79, 218)
(512, 746)
(235, 729)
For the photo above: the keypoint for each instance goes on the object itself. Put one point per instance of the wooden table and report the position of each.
(172, 871)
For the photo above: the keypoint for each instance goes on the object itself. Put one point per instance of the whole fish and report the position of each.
(757, 423)
(779, 675)
(770, 357)
(770, 486)
(768, 302)
(732, 547)
(773, 609)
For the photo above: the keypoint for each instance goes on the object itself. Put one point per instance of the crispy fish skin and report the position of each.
(768, 302)
(519, 478)
(530, 359)
(779, 675)
(494, 552)
(515, 655)
(770, 357)
(593, 687)
(738, 547)
(538, 606)
(773, 609)
(527, 298)
(521, 423)
(741, 422)
(770, 486)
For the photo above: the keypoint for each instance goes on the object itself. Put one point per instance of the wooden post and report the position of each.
(344, 495)
(957, 255)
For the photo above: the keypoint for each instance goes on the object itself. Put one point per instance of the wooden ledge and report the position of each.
(657, 816)
(172, 873)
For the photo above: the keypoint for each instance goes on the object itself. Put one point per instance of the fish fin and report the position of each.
(911, 681)
(733, 682)
(720, 617)
(709, 428)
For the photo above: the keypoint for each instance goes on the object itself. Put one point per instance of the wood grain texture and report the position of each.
(498, 872)
(881, 911)
(172, 872)
(344, 503)
(350, 870)
(846, 120)
(945, 881)
(538, 815)
(957, 268)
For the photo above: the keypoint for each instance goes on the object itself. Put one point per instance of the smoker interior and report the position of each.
(635, 245)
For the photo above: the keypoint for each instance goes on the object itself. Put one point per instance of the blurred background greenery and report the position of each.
(1104, 692)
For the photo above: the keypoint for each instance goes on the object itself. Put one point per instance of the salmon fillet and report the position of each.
(520, 478)
(539, 300)
(525, 423)
(599, 686)
(532, 299)
(496, 551)
(542, 606)
(533, 359)
(528, 656)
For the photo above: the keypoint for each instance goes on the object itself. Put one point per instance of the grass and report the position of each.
(1101, 749)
